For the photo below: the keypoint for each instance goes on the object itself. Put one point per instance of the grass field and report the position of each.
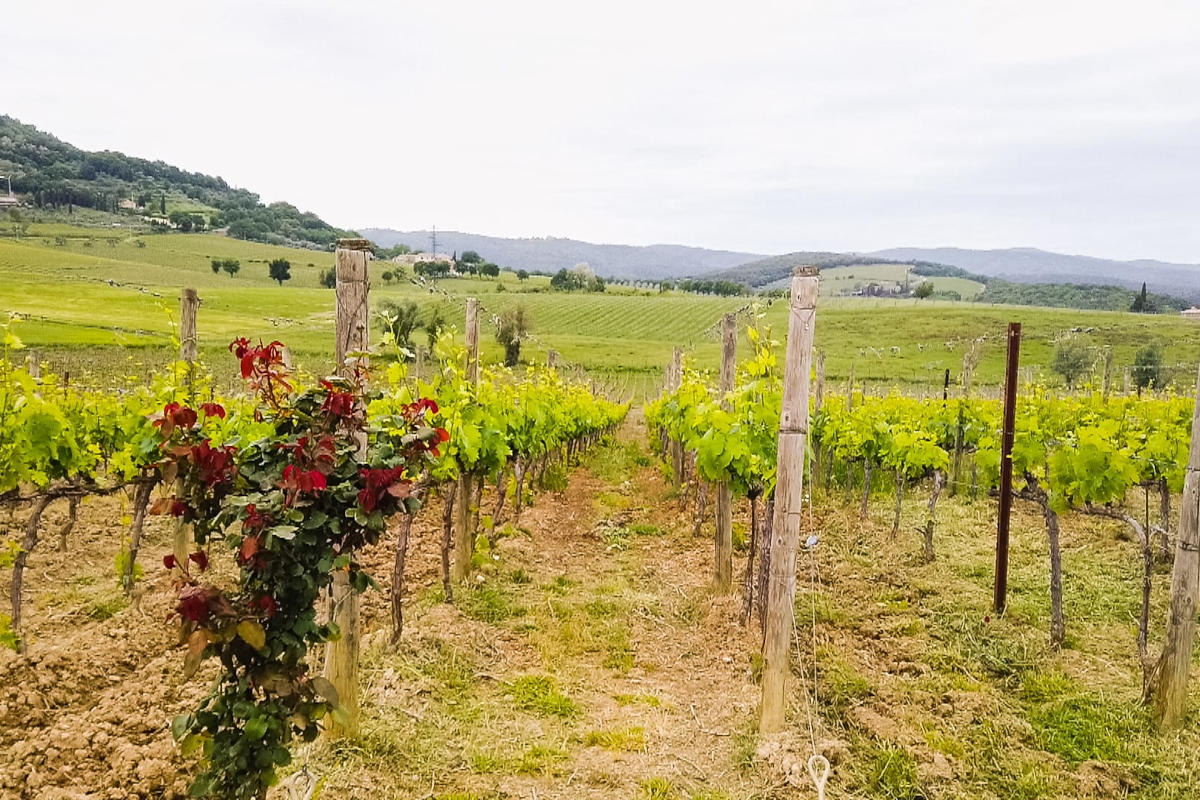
(845, 281)
(103, 291)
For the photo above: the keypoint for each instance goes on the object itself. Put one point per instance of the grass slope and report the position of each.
(82, 321)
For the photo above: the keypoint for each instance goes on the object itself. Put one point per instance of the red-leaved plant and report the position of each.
(292, 506)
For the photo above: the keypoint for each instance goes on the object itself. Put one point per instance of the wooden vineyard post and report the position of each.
(968, 366)
(723, 549)
(819, 398)
(1166, 685)
(674, 382)
(552, 359)
(850, 391)
(341, 656)
(1107, 382)
(464, 529)
(818, 402)
(33, 364)
(789, 484)
(189, 349)
(189, 343)
(1000, 588)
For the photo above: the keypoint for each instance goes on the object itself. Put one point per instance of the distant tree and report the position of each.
(328, 278)
(1140, 303)
(564, 281)
(181, 220)
(489, 269)
(216, 266)
(522, 274)
(434, 324)
(432, 269)
(388, 276)
(923, 290)
(1145, 304)
(162, 204)
(400, 320)
(471, 257)
(1148, 367)
(187, 221)
(1072, 358)
(280, 269)
(581, 276)
(514, 326)
(231, 266)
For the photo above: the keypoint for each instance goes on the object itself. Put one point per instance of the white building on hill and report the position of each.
(411, 259)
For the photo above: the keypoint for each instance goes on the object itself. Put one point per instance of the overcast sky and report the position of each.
(765, 127)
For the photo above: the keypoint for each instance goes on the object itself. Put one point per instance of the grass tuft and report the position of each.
(630, 740)
(538, 693)
(657, 789)
(489, 603)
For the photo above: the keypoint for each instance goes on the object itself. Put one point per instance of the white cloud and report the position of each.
(757, 126)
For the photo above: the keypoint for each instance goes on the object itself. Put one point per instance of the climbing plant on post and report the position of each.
(294, 506)
(189, 303)
(350, 347)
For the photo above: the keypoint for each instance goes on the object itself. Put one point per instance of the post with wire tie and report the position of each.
(1007, 435)
(723, 547)
(466, 511)
(793, 440)
(189, 303)
(350, 345)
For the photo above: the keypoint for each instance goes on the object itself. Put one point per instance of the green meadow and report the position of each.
(103, 299)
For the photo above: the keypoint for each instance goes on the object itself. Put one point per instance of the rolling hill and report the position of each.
(1030, 265)
(48, 173)
(550, 254)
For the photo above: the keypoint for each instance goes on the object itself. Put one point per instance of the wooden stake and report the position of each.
(850, 391)
(793, 436)
(818, 402)
(33, 365)
(819, 398)
(1166, 685)
(1000, 587)
(189, 345)
(468, 510)
(675, 380)
(351, 337)
(552, 359)
(1108, 361)
(189, 302)
(723, 549)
